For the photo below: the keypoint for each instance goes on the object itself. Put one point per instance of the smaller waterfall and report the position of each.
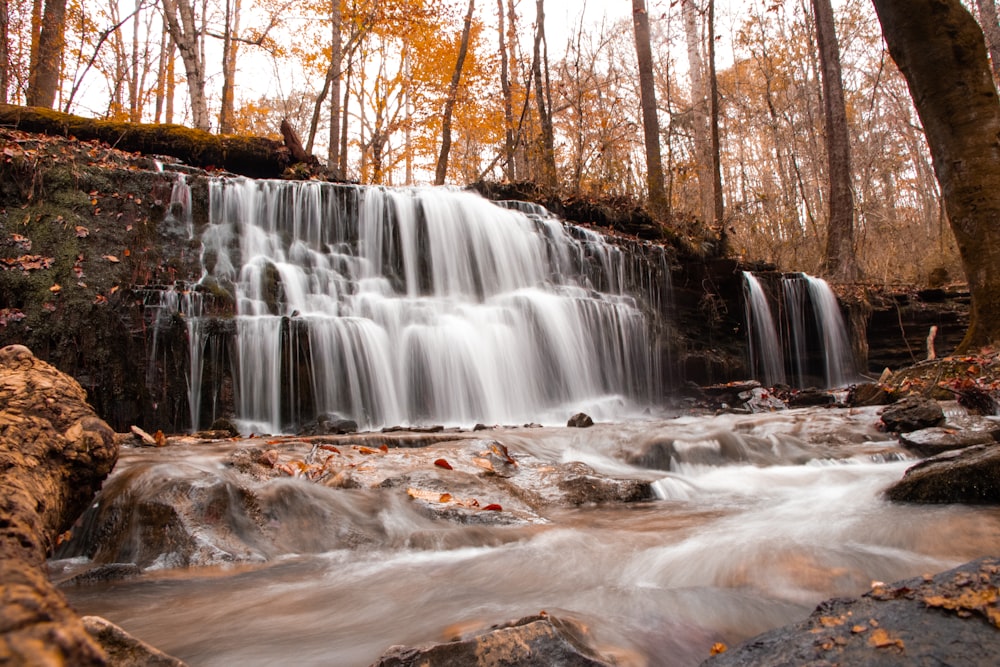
(817, 331)
(836, 344)
(765, 346)
(180, 204)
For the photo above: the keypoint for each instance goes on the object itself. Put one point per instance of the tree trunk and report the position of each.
(508, 100)
(940, 49)
(184, 32)
(55, 453)
(342, 168)
(230, 46)
(839, 260)
(46, 60)
(658, 204)
(699, 110)
(449, 106)
(336, 64)
(718, 208)
(991, 29)
(4, 51)
(547, 175)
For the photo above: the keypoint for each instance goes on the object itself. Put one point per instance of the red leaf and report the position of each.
(330, 448)
(385, 449)
(493, 507)
(441, 463)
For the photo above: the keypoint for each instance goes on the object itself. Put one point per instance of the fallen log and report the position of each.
(256, 157)
(54, 454)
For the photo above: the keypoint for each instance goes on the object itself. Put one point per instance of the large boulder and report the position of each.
(958, 434)
(970, 475)
(123, 649)
(54, 454)
(911, 414)
(533, 641)
(950, 619)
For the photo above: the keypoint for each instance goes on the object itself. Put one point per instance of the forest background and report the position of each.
(557, 101)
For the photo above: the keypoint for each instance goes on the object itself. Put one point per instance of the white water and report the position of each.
(761, 518)
(421, 306)
(765, 346)
(823, 319)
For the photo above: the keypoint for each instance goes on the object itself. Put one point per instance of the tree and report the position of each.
(187, 35)
(699, 110)
(942, 53)
(449, 107)
(658, 204)
(991, 29)
(4, 51)
(547, 175)
(46, 56)
(839, 259)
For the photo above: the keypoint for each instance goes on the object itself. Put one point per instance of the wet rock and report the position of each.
(954, 435)
(970, 475)
(227, 425)
(868, 394)
(124, 650)
(809, 397)
(328, 425)
(583, 486)
(533, 641)
(949, 619)
(580, 420)
(54, 454)
(104, 573)
(911, 414)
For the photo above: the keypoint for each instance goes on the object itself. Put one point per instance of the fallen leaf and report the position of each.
(112, 259)
(717, 648)
(82, 232)
(161, 439)
(445, 497)
(330, 448)
(441, 463)
(384, 448)
(55, 289)
(367, 450)
(493, 507)
(880, 638)
(100, 299)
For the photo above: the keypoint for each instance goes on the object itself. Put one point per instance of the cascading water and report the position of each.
(765, 346)
(418, 306)
(829, 328)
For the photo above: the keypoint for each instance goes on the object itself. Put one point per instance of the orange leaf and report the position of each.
(493, 507)
(112, 259)
(82, 232)
(330, 448)
(161, 439)
(367, 450)
(55, 289)
(127, 252)
(385, 449)
(441, 463)
(445, 497)
(717, 648)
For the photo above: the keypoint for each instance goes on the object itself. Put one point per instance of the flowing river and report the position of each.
(757, 518)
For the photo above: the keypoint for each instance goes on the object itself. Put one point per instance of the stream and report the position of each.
(757, 518)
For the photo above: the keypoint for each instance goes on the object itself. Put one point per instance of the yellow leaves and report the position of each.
(26, 263)
(880, 638)
(717, 648)
(982, 600)
(160, 439)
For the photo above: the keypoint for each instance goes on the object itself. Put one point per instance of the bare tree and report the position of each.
(699, 108)
(188, 36)
(548, 167)
(839, 260)
(4, 50)
(658, 204)
(441, 171)
(46, 56)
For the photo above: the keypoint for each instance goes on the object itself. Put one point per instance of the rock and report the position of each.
(533, 641)
(54, 454)
(949, 619)
(580, 420)
(954, 435)
(329, 425)
(223, 424)
(810, 397)
(583, 486)
(867, 394)
(970, 475)
(144, 437)
(911, 414)
(123, 649)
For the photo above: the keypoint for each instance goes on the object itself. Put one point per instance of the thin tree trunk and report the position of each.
(449, 107)
(166, 49)
(43, 81)
(699, 110)
(717, 199)
(508, 102)
(658, 204)
(188, 38)
(343, 125)
(230, 46)
(168, 112)
(547, 174)
(134, 113)
(4, 50)
(940, 49)
(991, 29)
(336, 64)
(839, 259)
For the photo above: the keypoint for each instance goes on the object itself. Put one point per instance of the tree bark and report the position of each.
(940, 49)
(46, 59)
(718, 208)
(184, 32)
(230, 47)
(547, 175)
(256, 157)
(839, 259)
(4, 50)
(991, 29)
(449, 106)
(658, 204)
(699, 110)
(508, 100)
(336, 64)
(55, 453)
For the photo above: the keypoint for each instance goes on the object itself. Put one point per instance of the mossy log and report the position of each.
(54, 454)
(256, 157)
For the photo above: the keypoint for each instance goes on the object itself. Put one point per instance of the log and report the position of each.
(54, 454)
(256, 157)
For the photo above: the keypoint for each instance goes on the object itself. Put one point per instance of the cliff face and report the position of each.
(99, 265)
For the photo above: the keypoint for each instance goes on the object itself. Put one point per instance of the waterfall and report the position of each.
(829, 341)
(764, 344)
(417, 306)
